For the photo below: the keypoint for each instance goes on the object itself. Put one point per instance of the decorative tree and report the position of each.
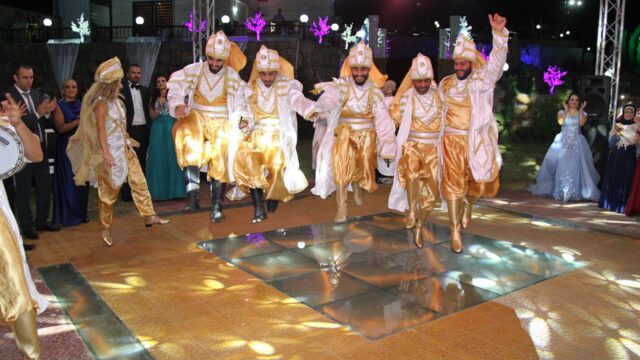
(320, 29)
(465, 28)
(194, 27)
(256, 24)
(347, 36)
(82, 28)
(363, 33)
(553, 77)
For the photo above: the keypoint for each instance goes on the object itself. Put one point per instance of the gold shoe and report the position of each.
(418, 236)
(357, 194)
(149, 221)
(410, 220)
(341, 200)
(418, 239)
(455, 213)
(106, 237)
(466, 212)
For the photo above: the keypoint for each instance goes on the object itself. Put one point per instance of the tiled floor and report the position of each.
(373, 279)
(182, 302)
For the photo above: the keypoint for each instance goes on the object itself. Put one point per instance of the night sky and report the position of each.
(419, 15)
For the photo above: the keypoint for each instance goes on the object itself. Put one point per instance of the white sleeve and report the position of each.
(492, 72)
(178, 85)
(298, 102)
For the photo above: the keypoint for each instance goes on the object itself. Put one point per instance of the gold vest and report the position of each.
(221, 100)
(458, 112)
(257, 110)
(348, 113)
(434, 126)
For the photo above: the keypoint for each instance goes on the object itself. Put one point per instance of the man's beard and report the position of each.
(426, 90)
(464, 76)
(364, 80)
(214, 70)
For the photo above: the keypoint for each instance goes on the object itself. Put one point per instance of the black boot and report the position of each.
(272, 205)
(257, 198)
(217, 195)
(193, 203)
(192, 181)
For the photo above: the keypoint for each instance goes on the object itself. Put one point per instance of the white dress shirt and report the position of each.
(138, 107)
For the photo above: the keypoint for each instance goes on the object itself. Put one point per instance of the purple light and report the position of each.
(553, 77)
(256, 238)
(320, 29)
(256, 24)
(194, 27)
(484, 54)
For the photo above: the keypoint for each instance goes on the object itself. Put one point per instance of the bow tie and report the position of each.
(135, 86)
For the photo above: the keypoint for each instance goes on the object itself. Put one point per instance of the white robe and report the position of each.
(398, 197)
(182, 86)
(290, 101)
(331, 103)
(483, 129)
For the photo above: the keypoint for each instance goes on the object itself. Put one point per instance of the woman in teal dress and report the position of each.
(164, 177)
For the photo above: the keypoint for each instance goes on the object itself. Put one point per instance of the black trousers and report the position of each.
(139, 133)
(37, 174)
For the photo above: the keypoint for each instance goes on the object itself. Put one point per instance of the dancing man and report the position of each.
(207, 132)
(266, 164)
(359, 130)
(19, 299)
(419, 109)
(101, 151)
(470, 143)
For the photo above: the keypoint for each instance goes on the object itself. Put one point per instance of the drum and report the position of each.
(12, 150)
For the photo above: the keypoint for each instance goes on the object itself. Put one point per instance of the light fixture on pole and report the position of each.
(538, 27)
(225, 19)
(47, 22)
(437, 24)
(139, 20)
(335, 27)
(304, 18)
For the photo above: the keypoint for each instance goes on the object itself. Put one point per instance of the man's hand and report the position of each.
(181, 110)
(12, 110)
(497, 22)
(243, 125)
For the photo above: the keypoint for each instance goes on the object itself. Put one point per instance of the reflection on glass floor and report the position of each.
(367, 273)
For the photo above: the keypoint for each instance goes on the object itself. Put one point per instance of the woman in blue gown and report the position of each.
(164, 177)
(621, 165)
(69, 200)
(567, 172)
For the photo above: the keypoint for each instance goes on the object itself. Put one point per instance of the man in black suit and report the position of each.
(38, 110)
(136, 103)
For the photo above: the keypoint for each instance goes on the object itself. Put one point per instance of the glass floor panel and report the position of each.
(368, 275)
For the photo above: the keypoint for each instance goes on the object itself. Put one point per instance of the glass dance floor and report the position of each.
(368, 274)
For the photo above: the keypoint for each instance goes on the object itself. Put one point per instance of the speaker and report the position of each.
(444, 67)
(596, 91)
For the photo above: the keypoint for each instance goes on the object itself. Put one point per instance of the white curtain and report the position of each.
(144, 52)
(63, 54)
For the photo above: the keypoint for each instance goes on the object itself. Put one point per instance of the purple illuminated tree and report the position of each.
(193, 27)
(320, 28)
(256, 24)
(553, 77)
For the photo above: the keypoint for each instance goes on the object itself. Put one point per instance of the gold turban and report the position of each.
(219, 47)
(465, 49)
(109, 71)
(362, 56)
(421, 68)
(269, 60)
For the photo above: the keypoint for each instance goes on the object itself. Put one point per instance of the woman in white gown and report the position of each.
(567, 172)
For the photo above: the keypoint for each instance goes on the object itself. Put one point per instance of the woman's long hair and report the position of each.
(84, 150)
(155, 94)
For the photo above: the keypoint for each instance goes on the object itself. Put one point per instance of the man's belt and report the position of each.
(430, 138)
(357, 123)
(212, 111)
(268, 125)
(448, 130)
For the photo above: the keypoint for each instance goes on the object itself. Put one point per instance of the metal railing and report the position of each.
(179, 33)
